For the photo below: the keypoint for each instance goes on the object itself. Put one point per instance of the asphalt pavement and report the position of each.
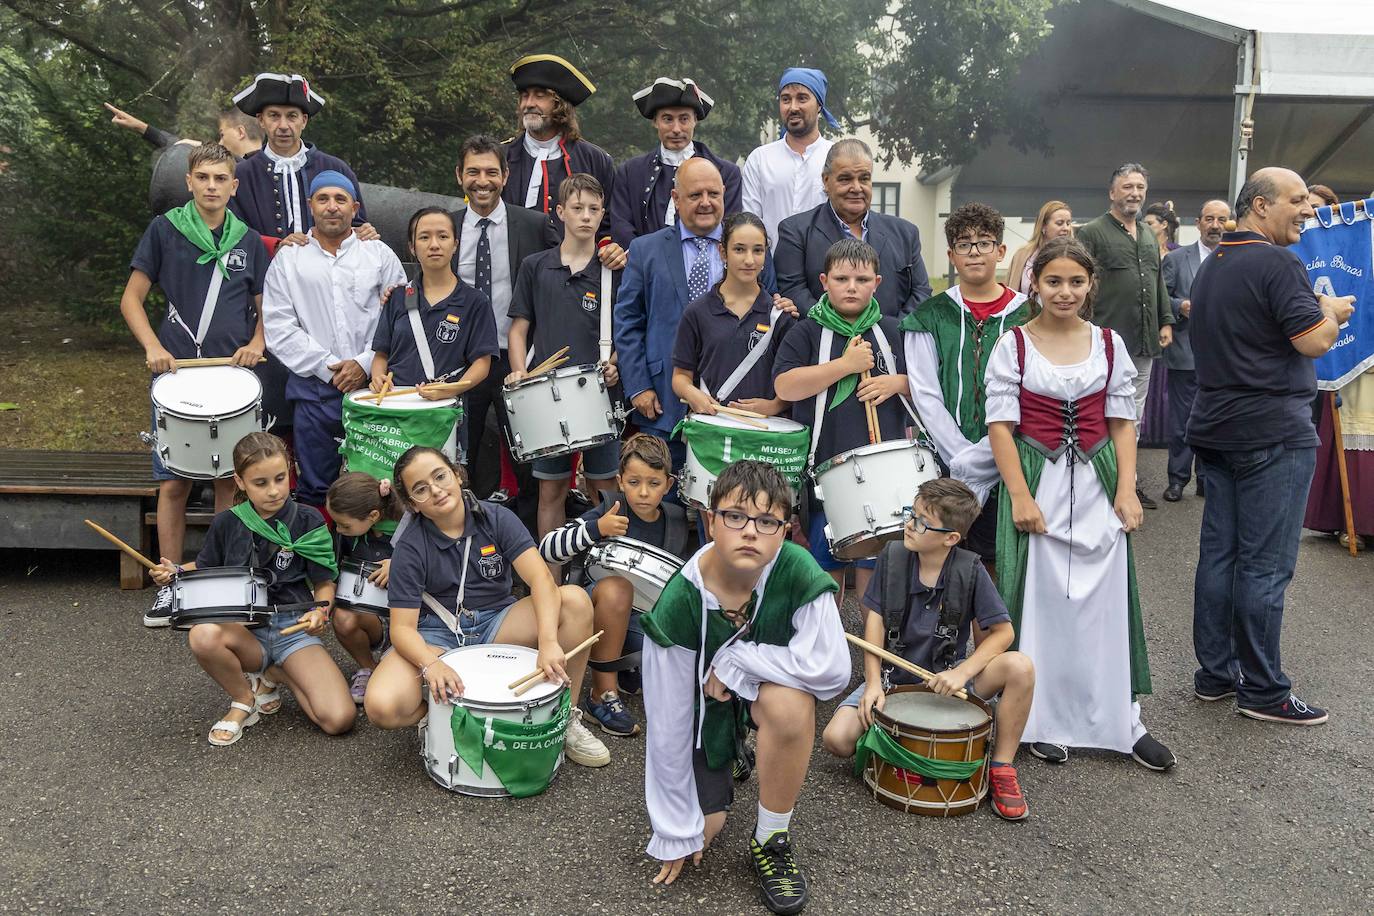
(112, 801)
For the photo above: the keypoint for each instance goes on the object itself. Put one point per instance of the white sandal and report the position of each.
(269, 702)
(235, 729)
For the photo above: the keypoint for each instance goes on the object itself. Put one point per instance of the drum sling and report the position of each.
(877, 741)
(522, 756)
(728, 386)
(960, 574)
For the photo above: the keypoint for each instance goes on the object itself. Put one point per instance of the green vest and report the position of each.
(675, 620)
(941, 317)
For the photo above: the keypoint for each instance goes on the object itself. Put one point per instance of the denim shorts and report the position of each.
(474, 633)
(820, 547)
(277, 648)
(600, 463)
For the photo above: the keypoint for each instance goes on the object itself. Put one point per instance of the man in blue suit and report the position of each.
(668, 269)
(1179, 268)
(803, 240)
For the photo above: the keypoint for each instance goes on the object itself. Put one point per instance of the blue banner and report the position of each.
(1338, 249)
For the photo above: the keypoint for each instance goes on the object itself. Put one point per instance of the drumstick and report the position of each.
(445, 389)
(900, 662)
(387, 385)
(208, 361)
(122, 546)
(296, 628)
(520, 685)
(740, 418)
(547, 367)
(741, 412)
(545, 364)
(871, 413)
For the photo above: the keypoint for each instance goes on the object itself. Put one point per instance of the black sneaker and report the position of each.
(1211, 696)
(1152, 755)
(1145, 501)
(1291, 711)
(160, 614)
(743, 766)
(1050, 753)
(630, 681)
(783, 884)
(501, 497)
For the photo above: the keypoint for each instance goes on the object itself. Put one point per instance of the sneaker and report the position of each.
(1007, 800)
(1145, 501)
(357, 688)
(612, 715)
(501, 497)
(1291, 711)
(783, 884)
(1152, 755)
(160, 614)
(581, 746)
(1051, 753)
(743, 767)
(630, 681)
(1211, 696)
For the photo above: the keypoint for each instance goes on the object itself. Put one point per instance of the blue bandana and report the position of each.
(813, 80)
(332, 179)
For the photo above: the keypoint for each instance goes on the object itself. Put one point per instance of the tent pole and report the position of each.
(1240, 130)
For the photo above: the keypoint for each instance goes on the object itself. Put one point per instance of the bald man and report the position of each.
(668, 269)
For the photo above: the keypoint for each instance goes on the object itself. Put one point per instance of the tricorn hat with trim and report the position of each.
(670, 93)
(549, 71)
(279, 89)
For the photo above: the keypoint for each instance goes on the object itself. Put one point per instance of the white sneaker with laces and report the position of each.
(581, 746)
(160, 614)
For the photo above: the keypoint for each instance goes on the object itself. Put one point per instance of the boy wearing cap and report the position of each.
(642, 200)
(321, 304)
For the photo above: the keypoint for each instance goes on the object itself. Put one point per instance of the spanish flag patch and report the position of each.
(451, 317)
(488, 550)
(762, 327)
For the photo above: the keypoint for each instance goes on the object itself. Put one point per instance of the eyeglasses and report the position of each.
(421, 492)
(984, 246)
(918, 525)
(764, 524)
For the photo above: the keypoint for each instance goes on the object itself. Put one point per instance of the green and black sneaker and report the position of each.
(743, 766)
(784, 886)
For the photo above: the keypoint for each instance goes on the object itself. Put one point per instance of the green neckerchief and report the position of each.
(824, 314)
(316, 545)
(188, 222)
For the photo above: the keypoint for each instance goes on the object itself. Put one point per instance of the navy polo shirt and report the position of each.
(370, 548)
(1251, 300)
(562, 307)
(427, 560)
(230, 543)
(169, 260)
(846, 426)
(712, 342)
(460, 329)
(923, 613)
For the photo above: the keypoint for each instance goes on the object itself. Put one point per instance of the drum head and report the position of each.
(774, 424)
(207, 391)
(923, 709)
(409, 401)
(486, 670)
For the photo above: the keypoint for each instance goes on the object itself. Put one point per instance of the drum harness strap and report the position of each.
(749, 361)
(207, 311)
(960, 572)
(417, 329)
(451, 620)
(827, 338)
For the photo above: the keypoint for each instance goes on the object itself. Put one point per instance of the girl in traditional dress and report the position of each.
(1060, 417)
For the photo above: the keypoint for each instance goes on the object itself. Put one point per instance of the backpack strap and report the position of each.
(961, 574)
(895, 561)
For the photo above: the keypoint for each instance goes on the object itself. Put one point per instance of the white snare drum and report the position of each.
(221, 594)
(357, 593)
(560, 412)
(865, 491)
(696, 480)
(200, 414)
(648, 568)
(485, 671)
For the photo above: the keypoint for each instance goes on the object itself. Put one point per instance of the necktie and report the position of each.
(483, 269)
(699, 280)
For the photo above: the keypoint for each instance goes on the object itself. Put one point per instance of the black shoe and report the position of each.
(579, 501)
(1291, 711)
(630, 681)
(1050, 753)
(1152, 755)
(1173, 493)
(783, 884)
(1201, 490)
(1145, 501)
(501, 497)
(1211, 696)
(743, 766)
(160, 614)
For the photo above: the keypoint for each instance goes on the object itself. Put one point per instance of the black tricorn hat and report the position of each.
(549, 71)
(670, 93)
(279, 89)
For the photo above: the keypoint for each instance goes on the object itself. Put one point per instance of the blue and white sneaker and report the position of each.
(612, 715)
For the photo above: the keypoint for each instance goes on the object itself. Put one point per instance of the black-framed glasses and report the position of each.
(764, 524)
(422, 491)
(917, 524)
(984, 246)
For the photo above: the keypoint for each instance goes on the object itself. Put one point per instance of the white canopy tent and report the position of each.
(1150, 81)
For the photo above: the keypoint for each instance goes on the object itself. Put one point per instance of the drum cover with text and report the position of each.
(375, 435)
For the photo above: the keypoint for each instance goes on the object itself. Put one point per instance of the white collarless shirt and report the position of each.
(498, 234)
(319, 308)
(778, 182)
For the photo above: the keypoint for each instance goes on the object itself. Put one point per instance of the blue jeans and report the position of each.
(1182, 392)
(1249, 545)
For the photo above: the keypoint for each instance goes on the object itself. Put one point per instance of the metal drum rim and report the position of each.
(888, 445)
(895, 726)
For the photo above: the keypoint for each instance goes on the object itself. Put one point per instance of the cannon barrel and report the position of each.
(388, 209)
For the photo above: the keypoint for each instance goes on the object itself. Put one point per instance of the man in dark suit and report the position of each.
(493, 238)
(1180, 266)
(804, 239)
(642, 198)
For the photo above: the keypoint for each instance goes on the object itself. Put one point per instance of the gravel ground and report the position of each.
(113, 801)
